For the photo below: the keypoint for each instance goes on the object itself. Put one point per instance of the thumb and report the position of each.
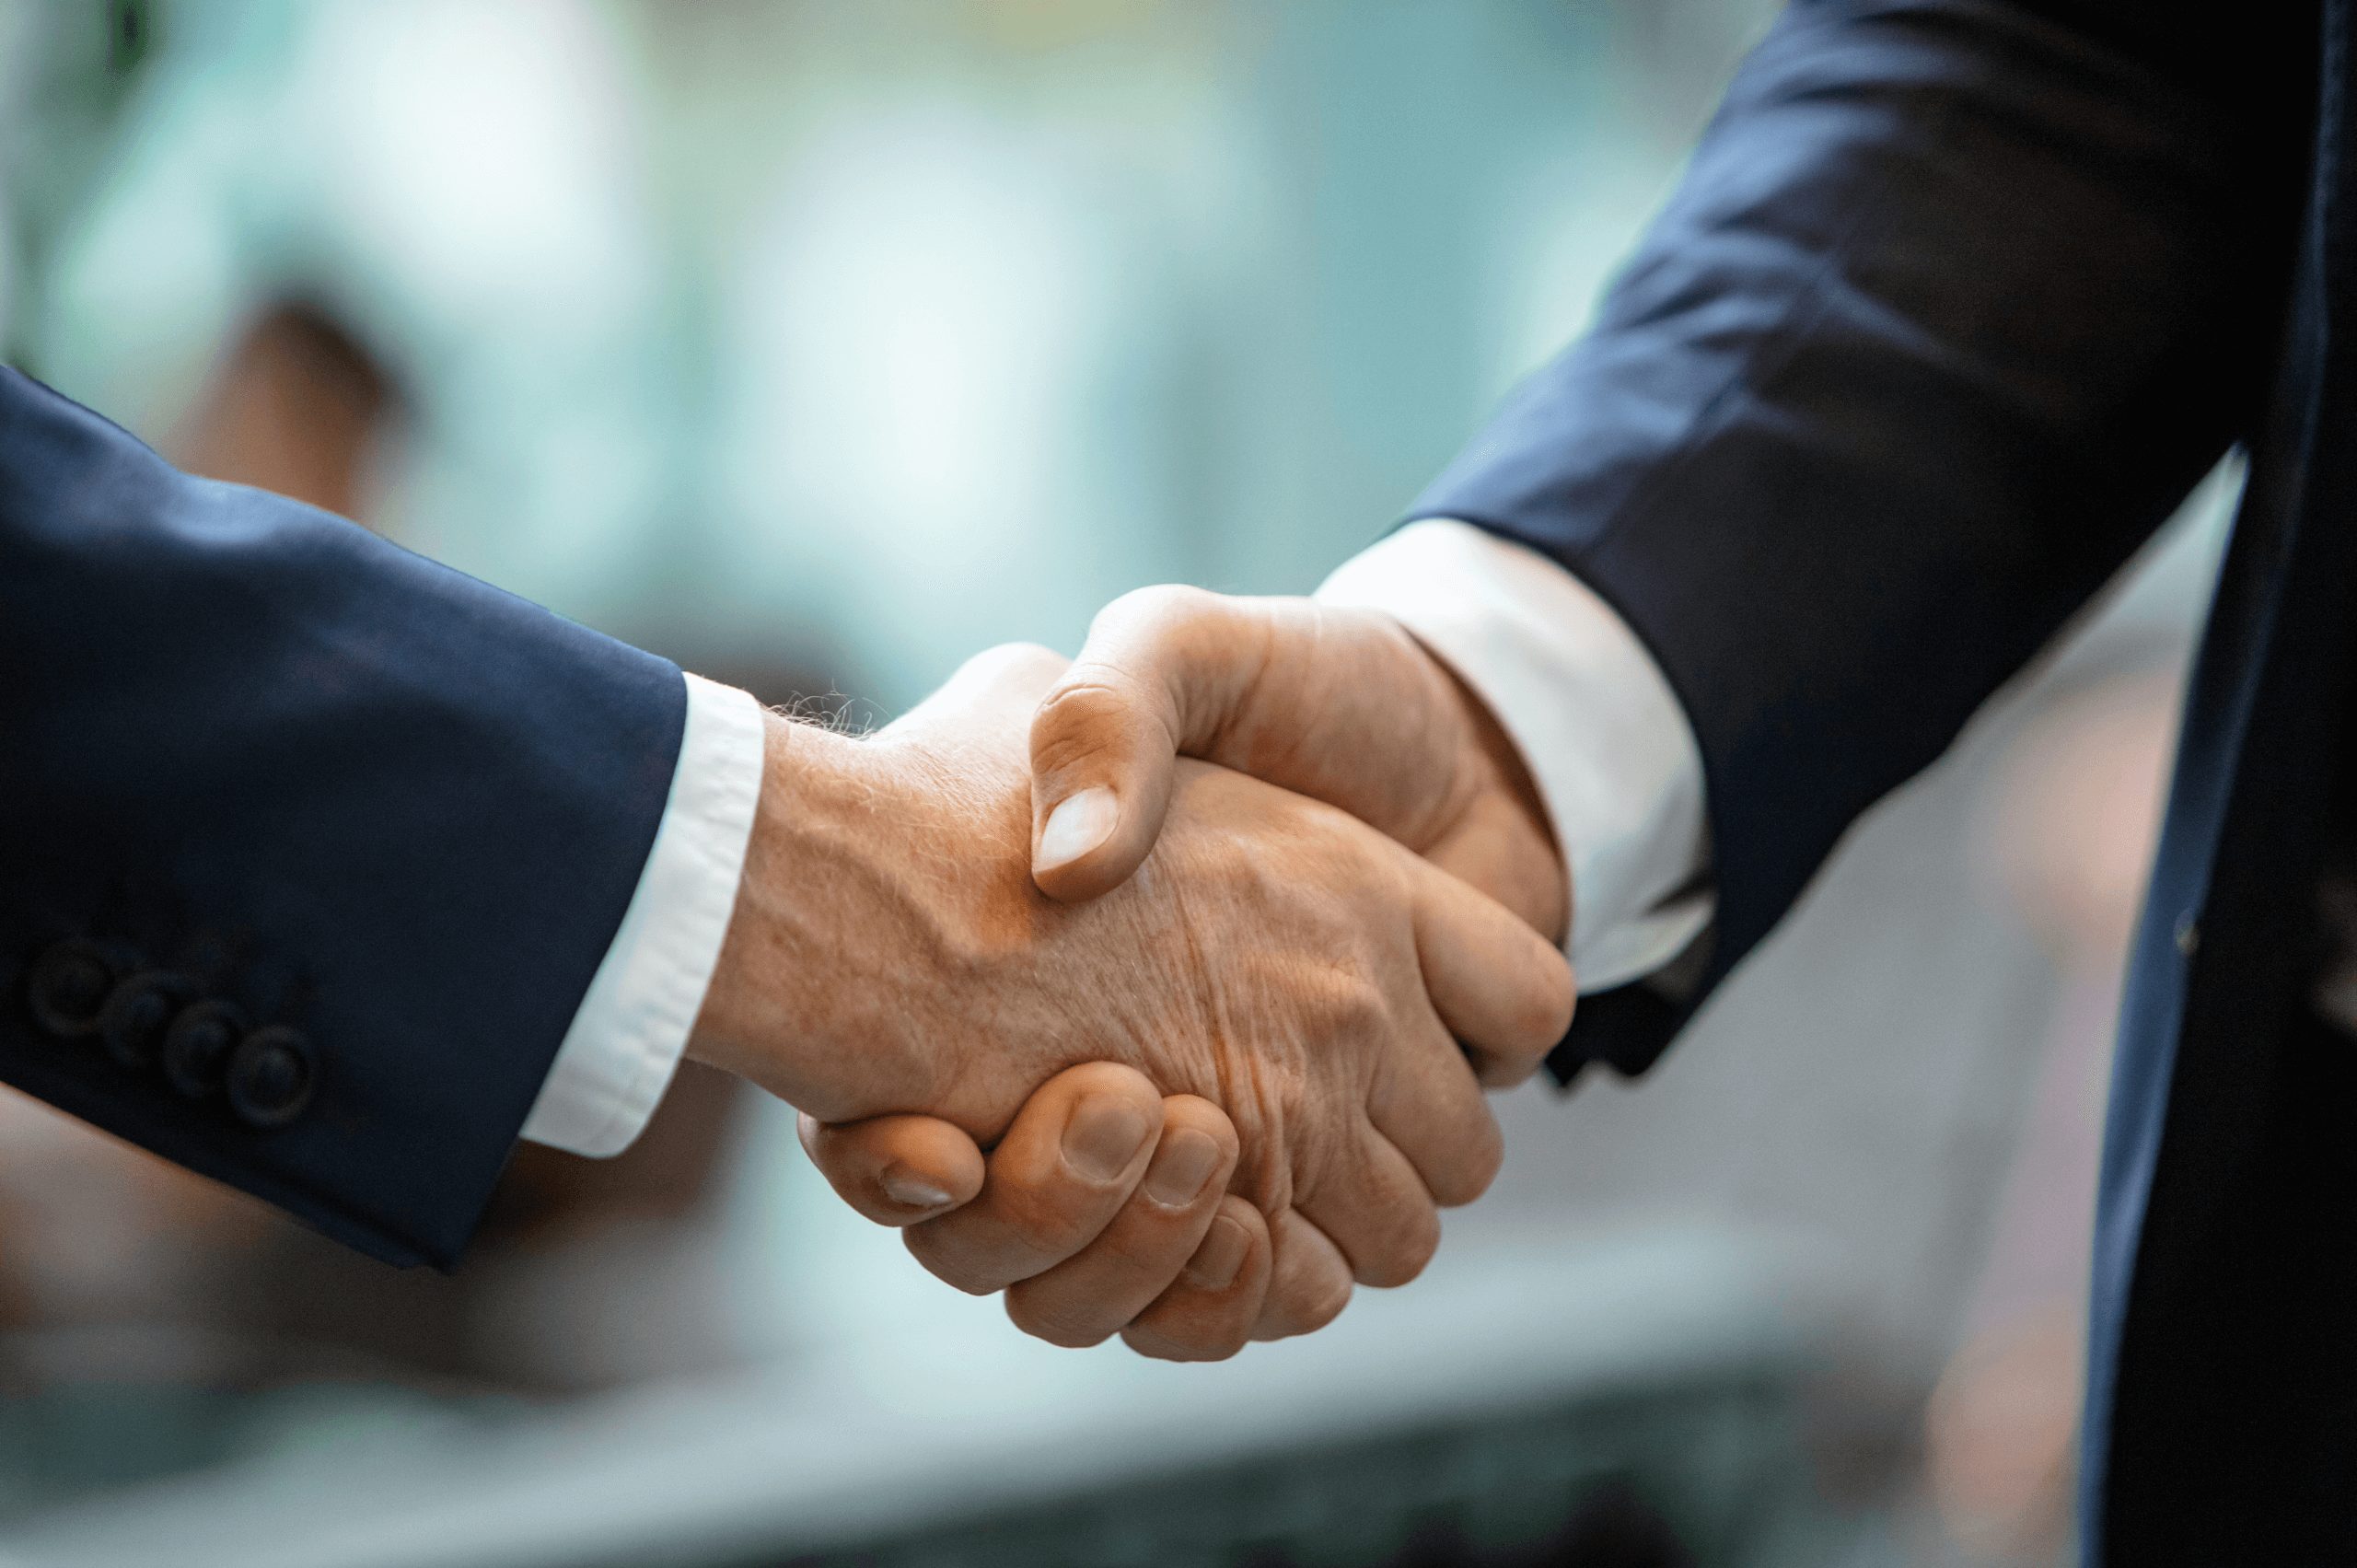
(1163, 670)
(897, 1170)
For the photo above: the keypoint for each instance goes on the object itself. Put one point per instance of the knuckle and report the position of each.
(1043, 1315)
(1088, 717)
(852, 1160)
(1050, 1221)
(1505, 1070)
(1306, 1292)
(1402, 1256)
(1347, 1005)
(1470, 1176)
(1092, 692)
(1554, 1000)
(1171, 628)
(1154, 607)
(958, 1267)
(1196, 1113)
(1110, 1078)
(1265, 1179)
(1540, 1011)
(1162, 1345)
(857, 1179)
(1310, 1304)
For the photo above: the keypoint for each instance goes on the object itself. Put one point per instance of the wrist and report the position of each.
(814, 934)
(1522, 863)
(1551, 891)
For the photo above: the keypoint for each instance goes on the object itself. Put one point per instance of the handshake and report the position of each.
(1211, 939)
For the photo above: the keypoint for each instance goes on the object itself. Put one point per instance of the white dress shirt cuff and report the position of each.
(633, 1026)
(1597, 723)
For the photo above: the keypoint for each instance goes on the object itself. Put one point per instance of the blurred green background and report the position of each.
(870, 332)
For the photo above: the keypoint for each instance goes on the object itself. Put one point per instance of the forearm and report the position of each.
(887, 951)
(1951, 307)
(326, 783)
(813, 997)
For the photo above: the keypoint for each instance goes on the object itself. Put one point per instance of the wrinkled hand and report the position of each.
(1338, 703)
(1158, 1252)
(1273, 958)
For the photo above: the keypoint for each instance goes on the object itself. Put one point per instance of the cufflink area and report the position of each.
(150, 1020)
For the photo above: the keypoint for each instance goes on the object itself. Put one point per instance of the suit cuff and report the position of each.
(632, 1025)
(1603, 737)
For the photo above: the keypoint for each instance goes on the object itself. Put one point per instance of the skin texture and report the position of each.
(1272, 958)
(1341, 704)
(1087, 1256)
(1338, 703)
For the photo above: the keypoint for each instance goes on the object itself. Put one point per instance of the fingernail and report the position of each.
(1181, 1167)
(1078, 824)
(909, 1190)
(1103, 1136)
(1216, 1262)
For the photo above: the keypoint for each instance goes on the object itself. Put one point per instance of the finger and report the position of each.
(1499, 987)
(897, 1170)
(1377, 1212)
(1160, 666)
(1338, 703)
(1209, 1311)
(1309, 1280)
(1090, 1296)
(1430, 1105)
(1066, 1165)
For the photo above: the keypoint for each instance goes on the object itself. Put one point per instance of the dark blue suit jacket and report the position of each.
(1956, 301)
(310, 846)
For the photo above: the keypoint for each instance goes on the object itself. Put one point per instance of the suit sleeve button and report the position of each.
(68, 988)
(272, 1077)
(138, 1014)
(198, 1045)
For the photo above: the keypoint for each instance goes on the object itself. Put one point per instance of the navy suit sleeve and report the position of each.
(1955, 302)
(311, 846)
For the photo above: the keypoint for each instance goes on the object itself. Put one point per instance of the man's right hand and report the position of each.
(1338, 704)
(1311, 980)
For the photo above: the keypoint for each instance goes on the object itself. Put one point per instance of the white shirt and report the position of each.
(632, 1024)
(1595, 719)
(1602, 735)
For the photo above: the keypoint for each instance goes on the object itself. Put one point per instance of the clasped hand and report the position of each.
(1224, 1039)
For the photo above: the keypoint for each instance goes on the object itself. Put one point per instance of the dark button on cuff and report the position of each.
(139, 1014)
(68, 988)
(198, 1047)
(272, 1077)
